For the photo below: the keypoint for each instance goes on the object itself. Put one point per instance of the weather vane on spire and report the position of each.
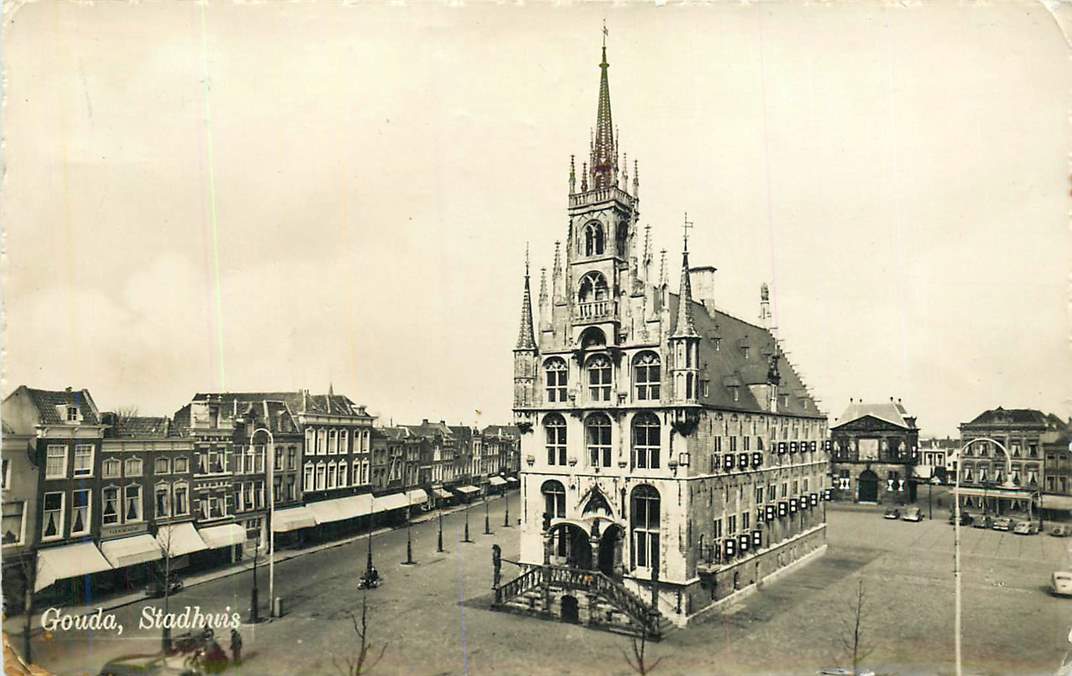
(605, 32)
(688, 224)
(526, 259)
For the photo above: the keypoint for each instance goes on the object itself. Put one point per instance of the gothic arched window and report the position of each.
(593, 287)
(556, 371)
(597, 431)
(646, 441)
(647, 374)
(593, 239)
(554, 427)
(599, 378)
(554, 498)
(644, 527)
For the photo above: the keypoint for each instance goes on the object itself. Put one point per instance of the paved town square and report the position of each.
(434, 617)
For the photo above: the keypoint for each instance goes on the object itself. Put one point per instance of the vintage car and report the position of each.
(145, 665)
(965, 518)
(1060, 531)
(892, 513)
(983, 521)
(1025, 528)
(913, 514)
(155, 588)
(1003, 523)
(1061, 583)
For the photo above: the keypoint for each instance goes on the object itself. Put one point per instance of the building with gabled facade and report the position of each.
(670, 455)
(875, 449)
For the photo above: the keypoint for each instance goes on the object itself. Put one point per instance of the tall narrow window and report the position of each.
(52, 524)
(599, 378)
(333, 441)
(646, 441)
(132, 503)
(598, 432)
(344, 473)
(80, 511)
(556, 373)
(321, 476)
(56, 462)
(555, 430)
(83, 460)
(111, 468)
(109, 506)
(593, 239)
(14, 524)
(132, 467)
(554, 499)
(163, 501)
(647, 373)
(182, 500)
(161, 466)
(644, 521)
(307, 479)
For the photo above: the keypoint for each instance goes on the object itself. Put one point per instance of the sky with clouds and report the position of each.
(261, 197)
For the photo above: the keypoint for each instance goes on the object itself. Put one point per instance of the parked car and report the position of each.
(1061, 583)
(913, 514)
(142, 665)
(892, 513)
(1025, 528)
(984, 521)
(155, 588)
(1003, 523)
(1060, 531)
(965, 518)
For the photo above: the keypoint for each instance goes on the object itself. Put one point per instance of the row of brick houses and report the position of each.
(94, 501)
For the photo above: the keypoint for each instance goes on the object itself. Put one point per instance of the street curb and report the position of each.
(245, 566)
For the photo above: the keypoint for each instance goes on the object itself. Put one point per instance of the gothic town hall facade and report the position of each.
(670, 454)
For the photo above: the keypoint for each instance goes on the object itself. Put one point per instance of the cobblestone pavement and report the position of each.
(433, 617)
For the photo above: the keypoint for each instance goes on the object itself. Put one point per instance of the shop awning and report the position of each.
(291, 519)
(60, 563)
(467, 489)
(1055, 502)
(417, 496)
(132, 550)
(512, 479)
(1006, 493)
(440, 493)
(497, 481)
(327, 511)
(180, 539)
(386, 503)
(226, 535)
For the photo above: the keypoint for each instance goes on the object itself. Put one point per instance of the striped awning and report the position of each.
(131, 550)
(468, 490)
(440, 493)
(417, 496)
(227, 535)
(291, 519)
(180, 539)
(512, 479)
(386, 503)
(497, 481)
(60, 563)
(1055, 502)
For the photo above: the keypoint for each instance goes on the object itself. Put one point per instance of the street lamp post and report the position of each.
(254, 601)
(409, 536)
(506, 516)
(439, 535)
(271, 517)
(487, 521)
(467, 504)
(368, 559)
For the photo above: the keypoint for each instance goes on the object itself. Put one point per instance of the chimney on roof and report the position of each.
(891, 400)
(703, 286)
(424, 421)
(67, 389)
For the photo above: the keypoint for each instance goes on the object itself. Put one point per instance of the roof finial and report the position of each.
(572, 176)
(688, 224)
(662, 267)
(604, 158)
(584, 178)
(636, 180)
(647, 244)
(605, 34)
(685, 324)
(625, 170)
(526, 260)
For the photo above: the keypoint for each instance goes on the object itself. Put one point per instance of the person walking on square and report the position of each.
(236, 646)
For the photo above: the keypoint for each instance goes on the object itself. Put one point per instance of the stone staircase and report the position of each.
(598, 601)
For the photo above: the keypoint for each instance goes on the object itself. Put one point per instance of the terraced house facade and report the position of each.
(669, 453)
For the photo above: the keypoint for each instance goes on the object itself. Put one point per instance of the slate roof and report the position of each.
(502, 431)
(891, 412)
(135, 426)
(431, 429)
(1015, 416)
(727, 366)
(46, 401)
(327, 404)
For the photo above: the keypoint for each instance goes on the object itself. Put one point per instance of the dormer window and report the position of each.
(72, 414)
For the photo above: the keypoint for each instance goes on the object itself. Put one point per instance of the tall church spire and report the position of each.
(604, 155)
(526, 339)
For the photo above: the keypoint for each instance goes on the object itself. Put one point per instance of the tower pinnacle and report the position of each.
(526, 339)
(685, 324)
(604, 157)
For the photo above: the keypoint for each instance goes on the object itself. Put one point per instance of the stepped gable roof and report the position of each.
(46, 401)
(725, 367)
(891, 412)
(1015, 416)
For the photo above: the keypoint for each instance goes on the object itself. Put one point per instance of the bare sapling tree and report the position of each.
(28, 565)
(364, 656)
(639, 661)
(853, 638)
